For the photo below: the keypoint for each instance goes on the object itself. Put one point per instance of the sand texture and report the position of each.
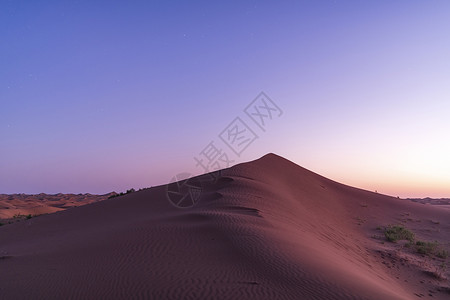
(267, 229)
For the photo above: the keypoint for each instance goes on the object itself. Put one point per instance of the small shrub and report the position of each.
(28, 217)
(116, 195)
(442, 253)
(426, 247)
(397, 232)
(113, 196)
(122, 193)
(1, 224)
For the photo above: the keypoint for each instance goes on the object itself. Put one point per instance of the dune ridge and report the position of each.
(267, 229)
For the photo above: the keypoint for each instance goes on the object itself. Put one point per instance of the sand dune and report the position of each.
(266, 229)
(17, 205)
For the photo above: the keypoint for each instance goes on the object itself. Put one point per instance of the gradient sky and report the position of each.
(98, 96)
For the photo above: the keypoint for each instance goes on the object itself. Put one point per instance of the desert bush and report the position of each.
(122, 193)
(113, 196)
(442, 253)
(426, 247)
(395, 233)
(429, 248)
(116, 195)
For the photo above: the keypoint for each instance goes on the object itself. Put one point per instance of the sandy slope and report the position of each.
(267, 229)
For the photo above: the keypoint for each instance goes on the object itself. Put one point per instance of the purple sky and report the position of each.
(98, 96)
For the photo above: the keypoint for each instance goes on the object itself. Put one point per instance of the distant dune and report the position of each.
(17, 205)
(266, 229)
(443, 202)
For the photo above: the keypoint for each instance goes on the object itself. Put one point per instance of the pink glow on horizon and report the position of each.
(95, 99)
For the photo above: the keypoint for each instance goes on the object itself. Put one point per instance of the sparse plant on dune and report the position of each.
(426, 247)
(20, 216)
(132, 190)
(431, 248)
(442, 253)
(394, 233)
(116, 195)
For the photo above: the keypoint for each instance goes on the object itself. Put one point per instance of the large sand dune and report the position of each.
(267, 229)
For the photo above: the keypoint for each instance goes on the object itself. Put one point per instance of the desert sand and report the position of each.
(266, 229)
(19, 205)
